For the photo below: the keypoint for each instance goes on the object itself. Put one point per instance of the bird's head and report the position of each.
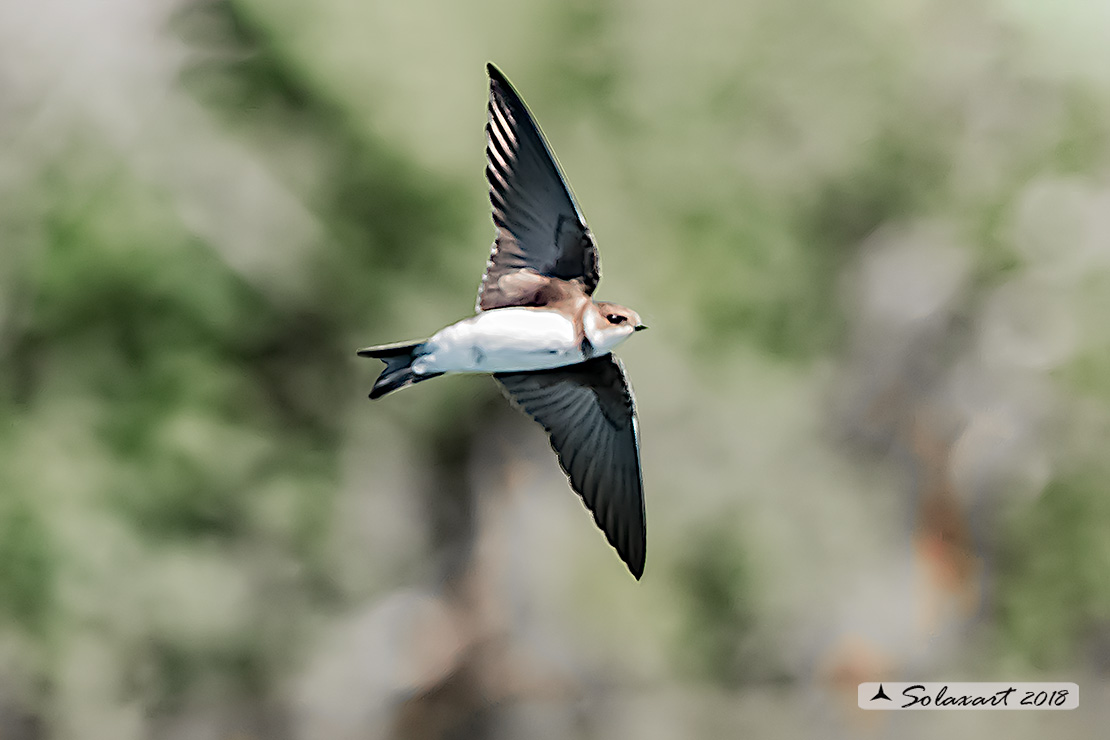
(611, 325)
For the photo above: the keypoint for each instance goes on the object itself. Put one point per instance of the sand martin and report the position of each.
(539, 332)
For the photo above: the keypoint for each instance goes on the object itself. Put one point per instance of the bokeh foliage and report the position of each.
(176, 425)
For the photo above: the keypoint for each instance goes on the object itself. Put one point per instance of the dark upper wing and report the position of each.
(539, 226)
(588, 411)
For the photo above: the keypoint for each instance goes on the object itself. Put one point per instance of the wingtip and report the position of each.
(498, 79)
(636, 567)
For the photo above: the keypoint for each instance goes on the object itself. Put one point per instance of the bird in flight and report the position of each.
(539, 331)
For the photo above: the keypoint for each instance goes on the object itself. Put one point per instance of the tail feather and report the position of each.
(398, 372)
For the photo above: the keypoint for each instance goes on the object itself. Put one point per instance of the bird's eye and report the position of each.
(616, 318)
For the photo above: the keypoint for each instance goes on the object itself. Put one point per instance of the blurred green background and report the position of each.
(872, 240)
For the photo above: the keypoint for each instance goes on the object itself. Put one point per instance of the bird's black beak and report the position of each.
(640, 327)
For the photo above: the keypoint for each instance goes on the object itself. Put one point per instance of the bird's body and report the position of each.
(518, 339)
(501, 341)
(539, 331)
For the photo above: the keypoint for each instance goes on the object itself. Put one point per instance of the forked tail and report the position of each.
(398, 371)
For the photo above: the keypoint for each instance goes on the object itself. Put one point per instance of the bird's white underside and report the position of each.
(513, 339)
